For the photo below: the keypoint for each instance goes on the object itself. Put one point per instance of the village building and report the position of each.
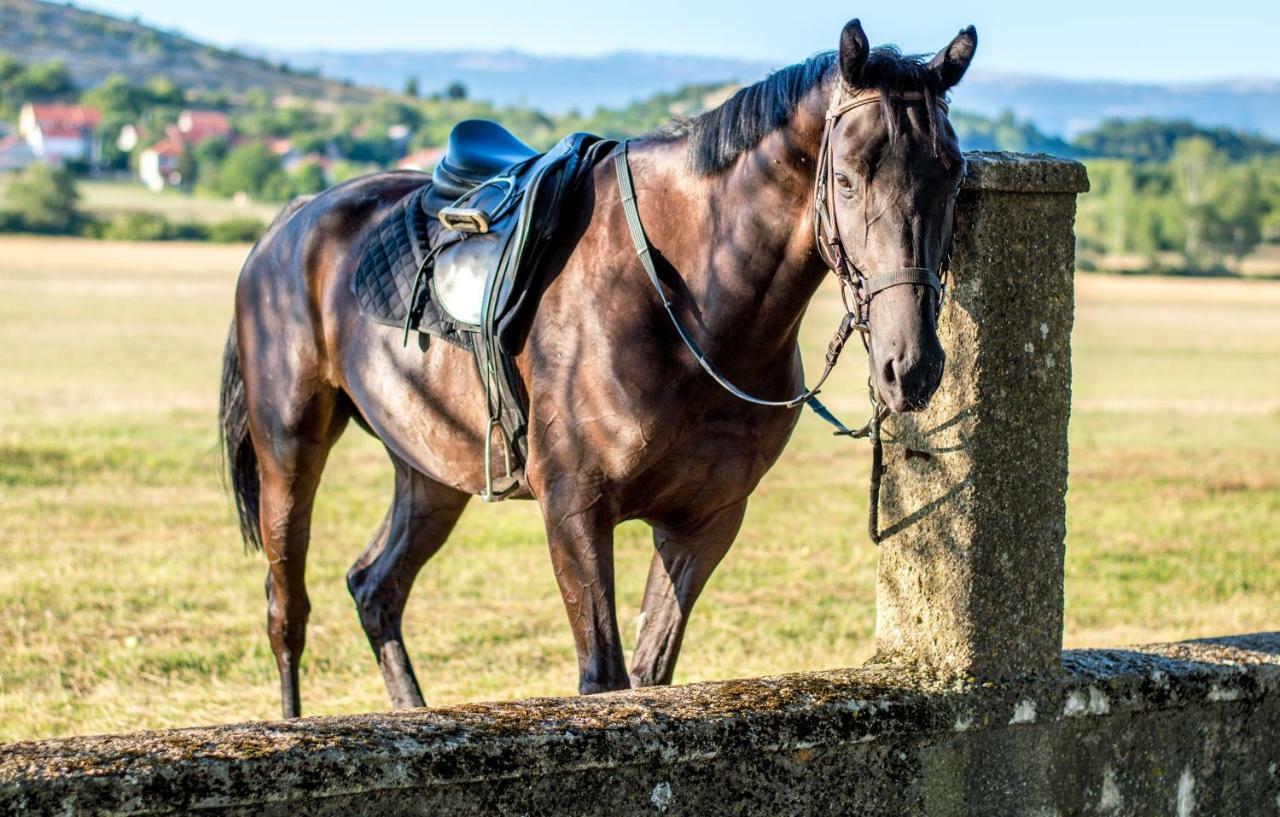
(158, 165)
(58, 133)
(424, 159)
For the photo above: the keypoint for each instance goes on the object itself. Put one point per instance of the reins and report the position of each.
(853, 282)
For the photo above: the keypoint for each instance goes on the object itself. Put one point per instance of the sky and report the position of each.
(1169, 41)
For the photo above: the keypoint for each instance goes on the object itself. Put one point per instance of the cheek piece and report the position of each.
(858, 287)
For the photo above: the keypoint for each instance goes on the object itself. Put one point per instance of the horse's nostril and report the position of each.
(889, 373)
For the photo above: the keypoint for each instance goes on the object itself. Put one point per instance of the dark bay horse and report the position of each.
(624, 424)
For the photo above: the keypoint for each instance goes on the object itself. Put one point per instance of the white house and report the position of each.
(158, 164)
(61, 133)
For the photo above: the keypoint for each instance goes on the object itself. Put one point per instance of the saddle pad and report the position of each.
(389, 263)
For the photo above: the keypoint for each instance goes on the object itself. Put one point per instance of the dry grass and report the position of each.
(126, 602)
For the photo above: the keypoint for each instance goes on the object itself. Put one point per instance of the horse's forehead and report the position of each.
(867, 138)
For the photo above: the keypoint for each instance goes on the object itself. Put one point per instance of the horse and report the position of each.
(844, 161)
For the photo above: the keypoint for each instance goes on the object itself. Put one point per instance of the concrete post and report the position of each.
(973, 502)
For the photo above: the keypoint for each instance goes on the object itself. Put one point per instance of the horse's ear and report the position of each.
(853, 52)
(951, 62)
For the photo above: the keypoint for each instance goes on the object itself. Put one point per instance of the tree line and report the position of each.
(1171, 193)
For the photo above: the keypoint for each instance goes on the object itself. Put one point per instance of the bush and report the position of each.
(236, 230)
(135, 227)
(43, 200)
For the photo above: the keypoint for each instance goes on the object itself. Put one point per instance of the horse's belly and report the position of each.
(426, 406)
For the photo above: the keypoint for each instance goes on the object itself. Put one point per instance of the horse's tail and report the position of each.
(237, 449)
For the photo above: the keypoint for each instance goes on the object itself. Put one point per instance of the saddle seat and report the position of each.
(478, 150)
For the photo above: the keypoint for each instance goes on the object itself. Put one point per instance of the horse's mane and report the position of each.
(718, 137)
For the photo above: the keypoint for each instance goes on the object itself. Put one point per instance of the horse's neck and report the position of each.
(742, 243)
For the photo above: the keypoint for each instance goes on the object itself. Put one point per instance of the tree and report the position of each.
(411, 87)
(117, 97)
(251, 169)
(1241, 210)
(308, 178)
(1197, 168)
(455, 91)
(44, 200)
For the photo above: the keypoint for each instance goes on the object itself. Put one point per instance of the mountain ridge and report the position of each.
(94, 45)
(1060, 106)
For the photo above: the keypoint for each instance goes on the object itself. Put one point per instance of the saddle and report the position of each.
(461, 257)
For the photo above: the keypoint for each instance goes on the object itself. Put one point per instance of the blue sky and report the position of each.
(1172, 41)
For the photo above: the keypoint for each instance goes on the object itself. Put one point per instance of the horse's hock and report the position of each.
(972, 707)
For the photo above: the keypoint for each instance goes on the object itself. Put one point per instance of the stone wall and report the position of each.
(1181, 729)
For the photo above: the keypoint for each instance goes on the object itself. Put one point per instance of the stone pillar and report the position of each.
(973, 502)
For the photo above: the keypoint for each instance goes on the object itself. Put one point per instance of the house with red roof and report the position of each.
(424, 159)
(158, 164)
(60, 133)
(197, 126)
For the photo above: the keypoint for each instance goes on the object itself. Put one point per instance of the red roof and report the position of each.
(66, 117)
(424, 158)
(56, 132)
(205, 121)
(197, 126)
(168, 147)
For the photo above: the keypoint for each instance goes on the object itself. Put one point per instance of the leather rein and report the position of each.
(857, 288)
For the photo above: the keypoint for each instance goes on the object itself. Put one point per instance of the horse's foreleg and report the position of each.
(681, 565)
(580, 535)
(421, 517)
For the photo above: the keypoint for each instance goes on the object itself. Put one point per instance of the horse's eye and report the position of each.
(843, 181)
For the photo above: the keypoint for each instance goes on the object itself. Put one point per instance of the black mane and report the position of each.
(718, 137)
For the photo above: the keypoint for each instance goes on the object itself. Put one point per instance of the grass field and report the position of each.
(126, 601)
(105, 199)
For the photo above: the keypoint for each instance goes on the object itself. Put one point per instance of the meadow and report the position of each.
(126, 600)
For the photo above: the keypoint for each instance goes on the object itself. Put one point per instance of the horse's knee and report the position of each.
(378, 610)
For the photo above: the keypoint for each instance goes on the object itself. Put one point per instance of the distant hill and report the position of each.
(552, 84)
(1060, 107)
(93, 46)
(1067, 107)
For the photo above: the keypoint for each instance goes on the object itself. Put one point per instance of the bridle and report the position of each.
(857, 289)
(826, 233)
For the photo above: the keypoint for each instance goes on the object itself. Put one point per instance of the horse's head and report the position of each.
(892, 170)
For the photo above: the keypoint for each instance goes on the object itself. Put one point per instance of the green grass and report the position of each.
(104, 200)
(127, 602)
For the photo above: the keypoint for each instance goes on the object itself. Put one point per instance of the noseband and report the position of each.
(859, 289)
(826, 234)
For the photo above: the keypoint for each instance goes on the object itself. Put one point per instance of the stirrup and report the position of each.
(489, 495)
(473, 219)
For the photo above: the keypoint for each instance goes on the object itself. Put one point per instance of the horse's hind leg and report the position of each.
(421, 516)
(290, 459)
(680, 568)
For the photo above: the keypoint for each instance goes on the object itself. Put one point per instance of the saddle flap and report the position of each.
(462, 272)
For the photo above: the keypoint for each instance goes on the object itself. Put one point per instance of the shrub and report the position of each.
(237, 230)
(43, 200)
(135, 227)
(251, 169)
